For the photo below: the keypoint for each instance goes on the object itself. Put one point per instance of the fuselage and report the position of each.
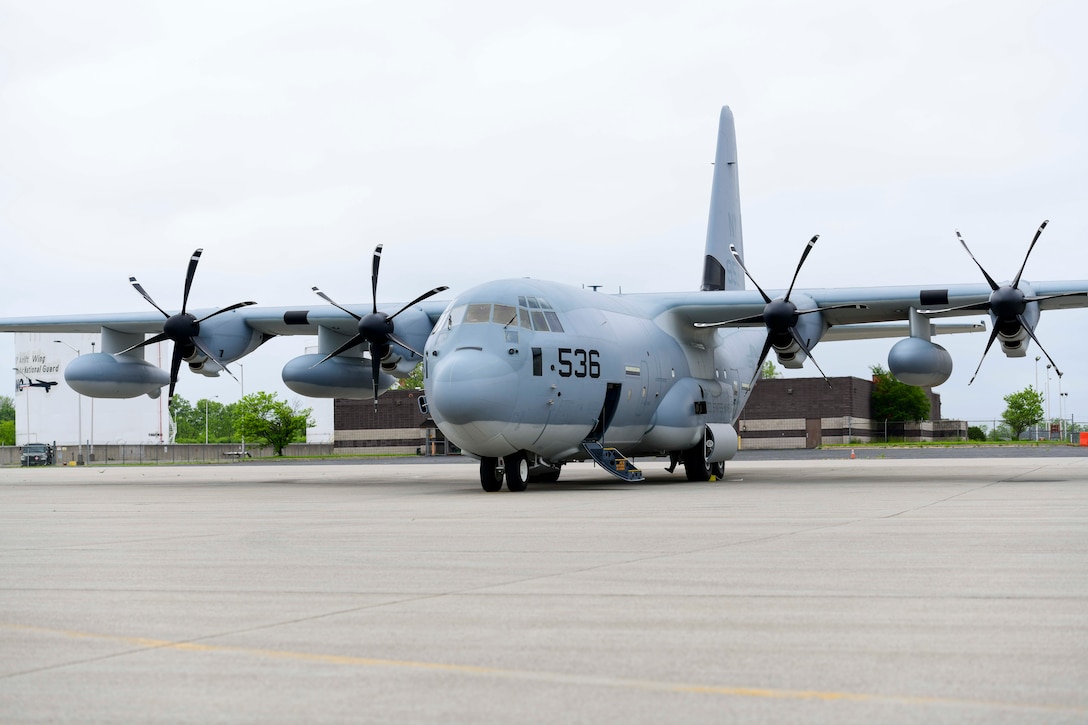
(539, 367)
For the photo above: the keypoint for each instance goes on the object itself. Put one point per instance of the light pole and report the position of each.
(1036, 436)
(242, 382)
(92, 417)
(79, 397)
(1061, 407)
(206, 420)
(1048, 401)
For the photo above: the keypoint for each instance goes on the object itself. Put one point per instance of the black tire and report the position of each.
(717, 470)
(490, 475)
(695, 465)
(517, 472)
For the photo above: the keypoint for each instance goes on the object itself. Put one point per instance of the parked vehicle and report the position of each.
(36, 454)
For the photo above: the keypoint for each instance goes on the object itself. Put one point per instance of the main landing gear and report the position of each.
(696, 466)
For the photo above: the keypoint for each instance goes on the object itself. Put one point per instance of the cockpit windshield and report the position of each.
(531, 313)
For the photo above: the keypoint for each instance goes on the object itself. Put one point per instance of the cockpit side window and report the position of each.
(535, 312)
(457, 316)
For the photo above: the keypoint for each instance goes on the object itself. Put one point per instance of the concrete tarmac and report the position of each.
(792, 591)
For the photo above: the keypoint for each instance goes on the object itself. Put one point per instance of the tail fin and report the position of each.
(720, 270)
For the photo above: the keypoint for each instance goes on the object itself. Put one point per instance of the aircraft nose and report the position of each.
(469, 386)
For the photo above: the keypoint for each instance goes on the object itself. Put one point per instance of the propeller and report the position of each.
(183, 328)
(375, 328)
(1007, 303)
(780, 316)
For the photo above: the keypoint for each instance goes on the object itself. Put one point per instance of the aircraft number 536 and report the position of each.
(583, 363)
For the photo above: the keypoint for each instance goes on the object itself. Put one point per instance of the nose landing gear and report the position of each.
(514, 468)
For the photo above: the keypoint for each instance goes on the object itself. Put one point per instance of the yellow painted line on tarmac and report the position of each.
(147, 643)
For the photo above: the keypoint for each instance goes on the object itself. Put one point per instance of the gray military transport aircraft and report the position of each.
(527, 375)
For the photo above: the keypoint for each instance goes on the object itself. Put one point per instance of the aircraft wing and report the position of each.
(861, 305)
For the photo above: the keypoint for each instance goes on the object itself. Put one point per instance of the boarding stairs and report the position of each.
(612, 461)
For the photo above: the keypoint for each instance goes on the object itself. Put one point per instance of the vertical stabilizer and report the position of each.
(720, 270)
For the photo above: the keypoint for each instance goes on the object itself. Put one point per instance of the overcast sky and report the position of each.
(570, 142)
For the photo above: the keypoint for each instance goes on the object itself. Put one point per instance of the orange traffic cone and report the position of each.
(852, 455)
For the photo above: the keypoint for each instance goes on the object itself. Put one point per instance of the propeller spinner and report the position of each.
(375, 328)
(183, 328)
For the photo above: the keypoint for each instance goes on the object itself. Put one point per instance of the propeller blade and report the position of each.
(374, 278)
(376, 370)
(1038, 233)
(750, 320)
(235, 306)
(357, 340)
(161, 337)
(804, 256)
(844, 306)
(976, 306)
(989, 344)
(1040, 298)
(330, 300)
(808, 352)
(400, 341)
(146, 296)
(189, 274)
(762, 358)
(199, 345)
(1033, 337)
(736, 256)
(175, 366)
(989, 279)
(417, 300)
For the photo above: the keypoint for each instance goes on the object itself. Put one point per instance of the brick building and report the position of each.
(806, 413)
(395, 426)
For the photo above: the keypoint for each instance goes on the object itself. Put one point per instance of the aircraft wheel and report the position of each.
(717, 470)
(695, 465)
(517, 472)
(490, 474)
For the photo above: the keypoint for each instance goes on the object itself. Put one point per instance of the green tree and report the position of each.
(262, 417)
(1024, 408)
(188, 421)
(7, 421)
(7, 408)
(895, 400)
(768, 371)
(413, 381)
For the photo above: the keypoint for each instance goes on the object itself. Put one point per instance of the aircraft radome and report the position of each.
(527, 375)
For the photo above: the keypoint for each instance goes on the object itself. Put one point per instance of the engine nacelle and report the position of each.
(915, 361)
(102, 375)
(338, 377)
(721, 442)
(810, 328)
